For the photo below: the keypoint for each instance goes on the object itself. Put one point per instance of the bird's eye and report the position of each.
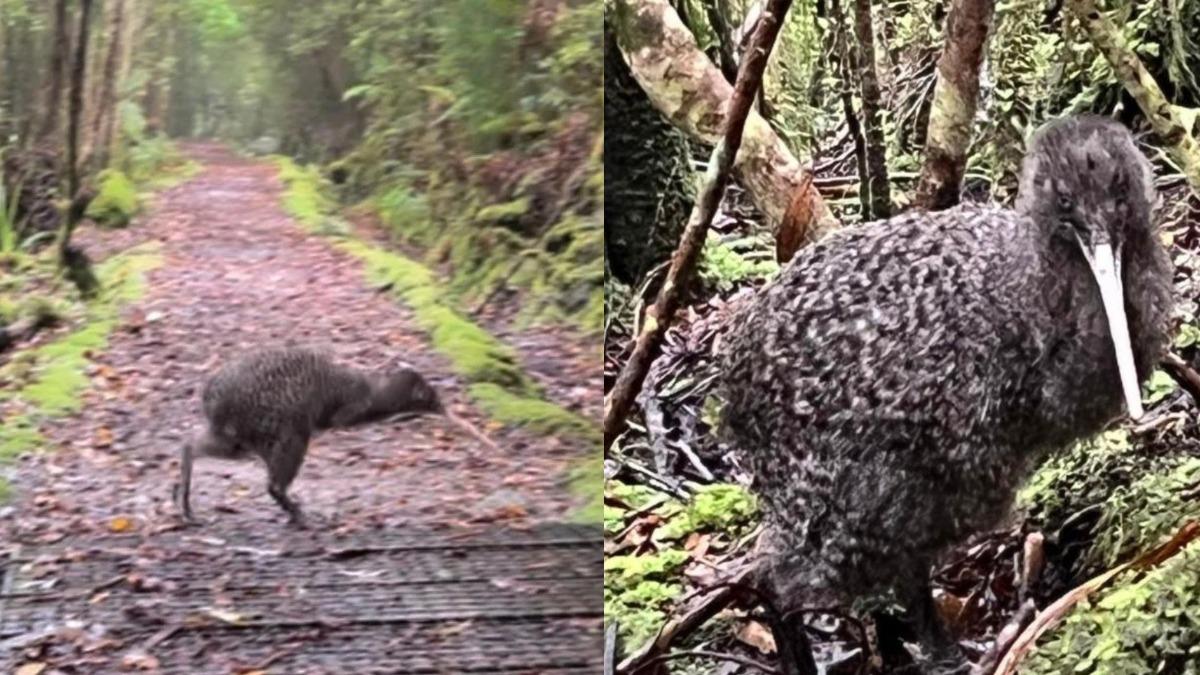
(1065, 203)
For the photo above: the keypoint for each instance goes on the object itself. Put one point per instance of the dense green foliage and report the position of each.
(472, 127)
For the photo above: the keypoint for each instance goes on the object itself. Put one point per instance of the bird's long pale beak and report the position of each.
(1107, 271)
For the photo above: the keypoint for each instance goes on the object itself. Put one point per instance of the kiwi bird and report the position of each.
(891, 388)
(270, 402)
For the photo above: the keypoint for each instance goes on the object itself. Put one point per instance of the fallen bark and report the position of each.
(658, 317)
(691, 92)
(955, 97)
(1164, 118)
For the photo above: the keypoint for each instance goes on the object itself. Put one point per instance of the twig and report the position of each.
(610, 649)
(720, 596)
(1187, 378)
(1006, 637)
(619, 402)
(1033, 561)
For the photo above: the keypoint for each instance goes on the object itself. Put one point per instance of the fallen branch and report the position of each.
(719, 596)
(1182, 373)
(1006, 637)
(658, 317)
(1055, 613)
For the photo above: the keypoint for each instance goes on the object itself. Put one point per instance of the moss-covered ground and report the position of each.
(497, 383)
(1142, 621)
(644, 579)
(48, 381)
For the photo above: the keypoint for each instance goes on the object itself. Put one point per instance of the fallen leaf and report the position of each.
(139, 660)
(104, 437)
(30, 668)
(120, 524)
(450, 630)
(756, 635)
(225, 615)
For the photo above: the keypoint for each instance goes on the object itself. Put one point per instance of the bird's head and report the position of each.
(1084, 180)
(404, 390)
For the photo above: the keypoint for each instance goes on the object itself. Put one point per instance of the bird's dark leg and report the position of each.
(283, 463)
(182, 494)
(203, 445)
(933, 636)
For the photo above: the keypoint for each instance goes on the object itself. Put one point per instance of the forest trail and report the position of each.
(429, 553)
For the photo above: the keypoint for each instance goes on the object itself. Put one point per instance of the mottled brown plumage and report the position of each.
(893, 386)
(270, 402)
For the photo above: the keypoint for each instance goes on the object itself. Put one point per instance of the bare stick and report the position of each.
(619, 402)
(471, 430)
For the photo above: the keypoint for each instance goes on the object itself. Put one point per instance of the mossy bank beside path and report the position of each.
(236, 271)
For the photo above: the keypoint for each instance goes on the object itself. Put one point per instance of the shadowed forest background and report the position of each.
(472, 128)
(871, 108)
(401, 182)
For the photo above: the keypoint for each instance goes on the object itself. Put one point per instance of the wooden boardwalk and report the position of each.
(495, 600)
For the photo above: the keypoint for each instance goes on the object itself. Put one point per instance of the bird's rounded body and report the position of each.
(269, 402)
(891, 387)
(257, 397)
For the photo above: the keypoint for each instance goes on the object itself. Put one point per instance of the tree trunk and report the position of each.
(719, 22)
(54, 82)
(96, 155)
(847, 68)
(955, 97)
(658, 317)
(1163, 116)
(78, 72)
(684, 85)
(648, 190)
(881, 198)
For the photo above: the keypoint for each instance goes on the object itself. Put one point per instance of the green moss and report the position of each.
(9, 310)
(534, 413)
(473, 352)
(1144, 513)
(170, 176)
(18, 435)
(304, 198)
(507, 211)
(1142, 623)
(1139, 496)
(586, 480)
(53, 376)
(116, 201)
(639, 590)
(725, 507)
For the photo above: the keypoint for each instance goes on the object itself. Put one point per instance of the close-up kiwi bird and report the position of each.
(896, 382)
(270, 402)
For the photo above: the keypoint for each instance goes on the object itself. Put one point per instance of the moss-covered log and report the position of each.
(1165, 118)
(955, 97)
(686, 87)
